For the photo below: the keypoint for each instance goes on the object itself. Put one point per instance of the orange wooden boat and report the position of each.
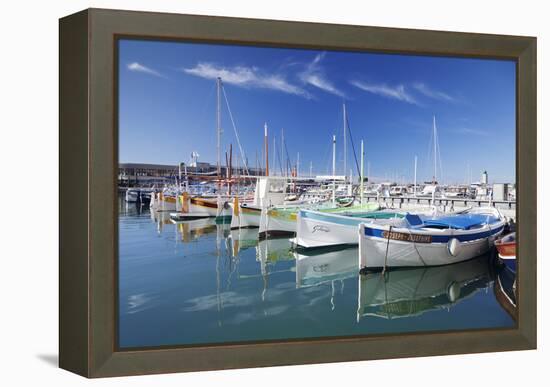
(506, 247)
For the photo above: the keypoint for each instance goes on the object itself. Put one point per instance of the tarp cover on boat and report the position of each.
(461, 222)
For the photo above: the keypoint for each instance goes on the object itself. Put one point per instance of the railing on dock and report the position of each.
(400, 201)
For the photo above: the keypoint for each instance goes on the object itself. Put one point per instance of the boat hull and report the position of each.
(247, 216)
(506, 248)
(331, 227)
(315, 229)
(400, 247)
(277, 223)
(161, 202)
(212, 207)
(282, 222)
(509, 262)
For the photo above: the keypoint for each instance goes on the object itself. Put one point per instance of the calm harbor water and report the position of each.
(198, 282)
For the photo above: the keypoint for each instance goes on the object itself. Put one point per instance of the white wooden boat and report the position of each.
(281, 221)
(506, 248)
(319, 229)
(419, 240)
(189, 208)
(164, 201)
(269, 191)
(215, 207)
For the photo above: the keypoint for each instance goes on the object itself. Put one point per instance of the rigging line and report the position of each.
(288, 160)
(416, 248)
(236, 133)
(202, 110)
(440, 162)
(328, 158)
(353, 146)
(280, 162)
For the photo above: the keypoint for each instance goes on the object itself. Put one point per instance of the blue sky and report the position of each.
(167, 102)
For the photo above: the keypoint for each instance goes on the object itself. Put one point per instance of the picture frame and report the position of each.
(88, 158)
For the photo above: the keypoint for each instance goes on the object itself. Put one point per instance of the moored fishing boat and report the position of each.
(269, 191)
(188, 208)
(506, 247)
(419, 240)
(505, 291)
(319, 229)
(165, 200)
(281, 221)
(140, 196)
(213, 206)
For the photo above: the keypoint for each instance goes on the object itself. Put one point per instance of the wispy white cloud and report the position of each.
(431, 93)
(247, 77)
(313, 75)
(469, 131)
(397, 92)
(135, 66)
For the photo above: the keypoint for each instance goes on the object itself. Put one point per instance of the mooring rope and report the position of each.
(417, 252)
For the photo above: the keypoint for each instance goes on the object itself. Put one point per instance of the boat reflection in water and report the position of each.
(161, 219)
(224, 285)
(411, 292)
(505, 291)
(241, 239)
(271, 251)
(325, 266)
(194, 229)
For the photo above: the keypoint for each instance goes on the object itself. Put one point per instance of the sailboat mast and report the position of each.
(266, 150)
(298, 165)
(231, 167)
(435, 152)
(219, 124)
(334, 170)
(345, 140)
(283, 166)
(415, 164)
(274, 161)
(179, 176)
(362, 186)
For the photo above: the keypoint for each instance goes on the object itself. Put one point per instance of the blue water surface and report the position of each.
(199, 282)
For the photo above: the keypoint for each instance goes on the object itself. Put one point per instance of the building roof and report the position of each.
(146, 166)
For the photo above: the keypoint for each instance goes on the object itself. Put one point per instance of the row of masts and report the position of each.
(284, 160)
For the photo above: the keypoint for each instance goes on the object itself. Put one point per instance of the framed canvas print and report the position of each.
(243, 193)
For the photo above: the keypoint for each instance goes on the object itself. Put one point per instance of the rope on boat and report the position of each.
(387, 249)
(490, 234)
(353, 147)
(236, 133)
(416, 249)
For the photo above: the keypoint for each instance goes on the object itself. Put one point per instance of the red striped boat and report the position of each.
(506, 247)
